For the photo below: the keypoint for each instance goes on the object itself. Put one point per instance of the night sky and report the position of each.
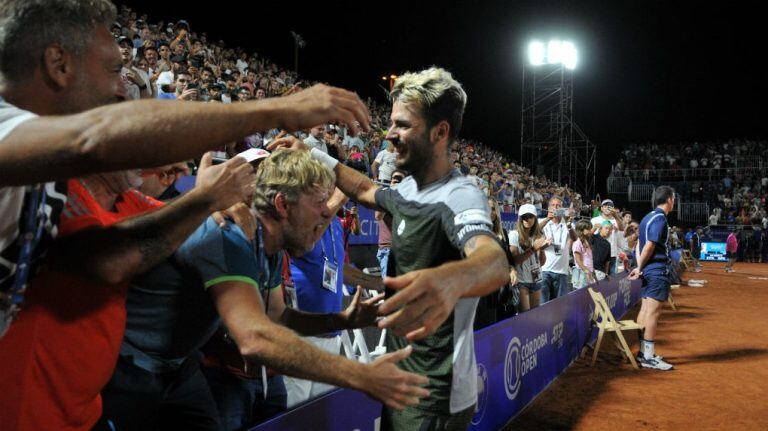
(648, 71)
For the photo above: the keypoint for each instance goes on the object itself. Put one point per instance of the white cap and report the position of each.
(253, 154)
(526, 209)
(165, 78)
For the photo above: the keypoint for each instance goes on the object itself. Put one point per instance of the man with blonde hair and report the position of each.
(220, 276)
(443, 256)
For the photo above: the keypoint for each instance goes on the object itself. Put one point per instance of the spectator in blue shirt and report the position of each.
(318, 288)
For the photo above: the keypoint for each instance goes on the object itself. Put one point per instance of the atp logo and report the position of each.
(626, 291)
(483, 392)
(557, 334)
(512, 364)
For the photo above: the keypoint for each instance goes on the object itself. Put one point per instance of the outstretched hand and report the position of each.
(423, 302)
(361, 313)
(322, 104)
(290, 142)
(392, 386)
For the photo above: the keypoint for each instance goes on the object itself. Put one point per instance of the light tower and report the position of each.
(551, 143)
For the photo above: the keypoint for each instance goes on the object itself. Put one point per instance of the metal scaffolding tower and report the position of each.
(551, 143)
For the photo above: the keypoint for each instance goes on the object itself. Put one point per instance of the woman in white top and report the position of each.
(527, 245)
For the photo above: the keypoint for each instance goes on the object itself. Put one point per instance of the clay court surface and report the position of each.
(718, 342)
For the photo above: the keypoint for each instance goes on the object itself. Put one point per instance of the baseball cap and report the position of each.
(526, 209)
(122, 39)
(607, 202)
(253, 154)
(165, 78)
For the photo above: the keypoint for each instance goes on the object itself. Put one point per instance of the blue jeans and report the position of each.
(383, 257)
(241, 401)
(553, 285)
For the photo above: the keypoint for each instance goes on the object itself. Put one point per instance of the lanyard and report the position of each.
(265, 276)
(333, 245)
(261, 260)
(559, 232)
(33, 230)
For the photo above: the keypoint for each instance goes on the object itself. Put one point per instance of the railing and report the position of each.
(618, 184)
(640, 192)
(693, 212)
(708, 174)
(749, 162)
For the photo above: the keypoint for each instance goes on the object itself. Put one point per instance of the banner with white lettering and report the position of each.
(516, 360)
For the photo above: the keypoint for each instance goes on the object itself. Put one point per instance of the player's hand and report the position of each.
(423, 302)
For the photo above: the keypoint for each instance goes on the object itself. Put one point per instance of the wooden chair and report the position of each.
(686, 259)
(603, 319)
(670, 299)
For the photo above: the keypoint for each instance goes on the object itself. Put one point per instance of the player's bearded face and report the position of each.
(415, 152)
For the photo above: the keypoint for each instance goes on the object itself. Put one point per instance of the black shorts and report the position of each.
(730, 255)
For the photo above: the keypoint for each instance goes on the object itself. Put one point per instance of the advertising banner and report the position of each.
(516, 360)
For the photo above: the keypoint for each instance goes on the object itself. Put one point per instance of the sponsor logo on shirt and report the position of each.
(471, 228)
(401, 227)
(473, 216)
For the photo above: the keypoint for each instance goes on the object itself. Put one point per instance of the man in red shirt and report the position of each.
(62, 350)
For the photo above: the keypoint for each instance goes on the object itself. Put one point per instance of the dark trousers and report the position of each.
(136, 399)
(241, 401)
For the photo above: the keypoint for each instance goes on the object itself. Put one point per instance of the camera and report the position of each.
(561, 212)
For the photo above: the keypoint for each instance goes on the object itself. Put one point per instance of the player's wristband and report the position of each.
(323, 158)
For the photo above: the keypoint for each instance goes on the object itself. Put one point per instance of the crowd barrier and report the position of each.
(517, 359)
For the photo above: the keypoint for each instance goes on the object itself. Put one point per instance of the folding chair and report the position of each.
(686, 259)
(603, 319)
(670, 299)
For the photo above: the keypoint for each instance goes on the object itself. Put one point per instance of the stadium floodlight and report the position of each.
(553, 52)
(569, 55)
(536, 53)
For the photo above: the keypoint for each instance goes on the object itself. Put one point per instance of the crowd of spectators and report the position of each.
(170, 60)
(730, 176)
(738, 199)
(676, 157)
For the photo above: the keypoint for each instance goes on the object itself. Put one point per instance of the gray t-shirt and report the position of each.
(430, 227)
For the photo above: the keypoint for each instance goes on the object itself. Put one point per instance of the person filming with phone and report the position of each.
(609, 213)
(557, 228)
